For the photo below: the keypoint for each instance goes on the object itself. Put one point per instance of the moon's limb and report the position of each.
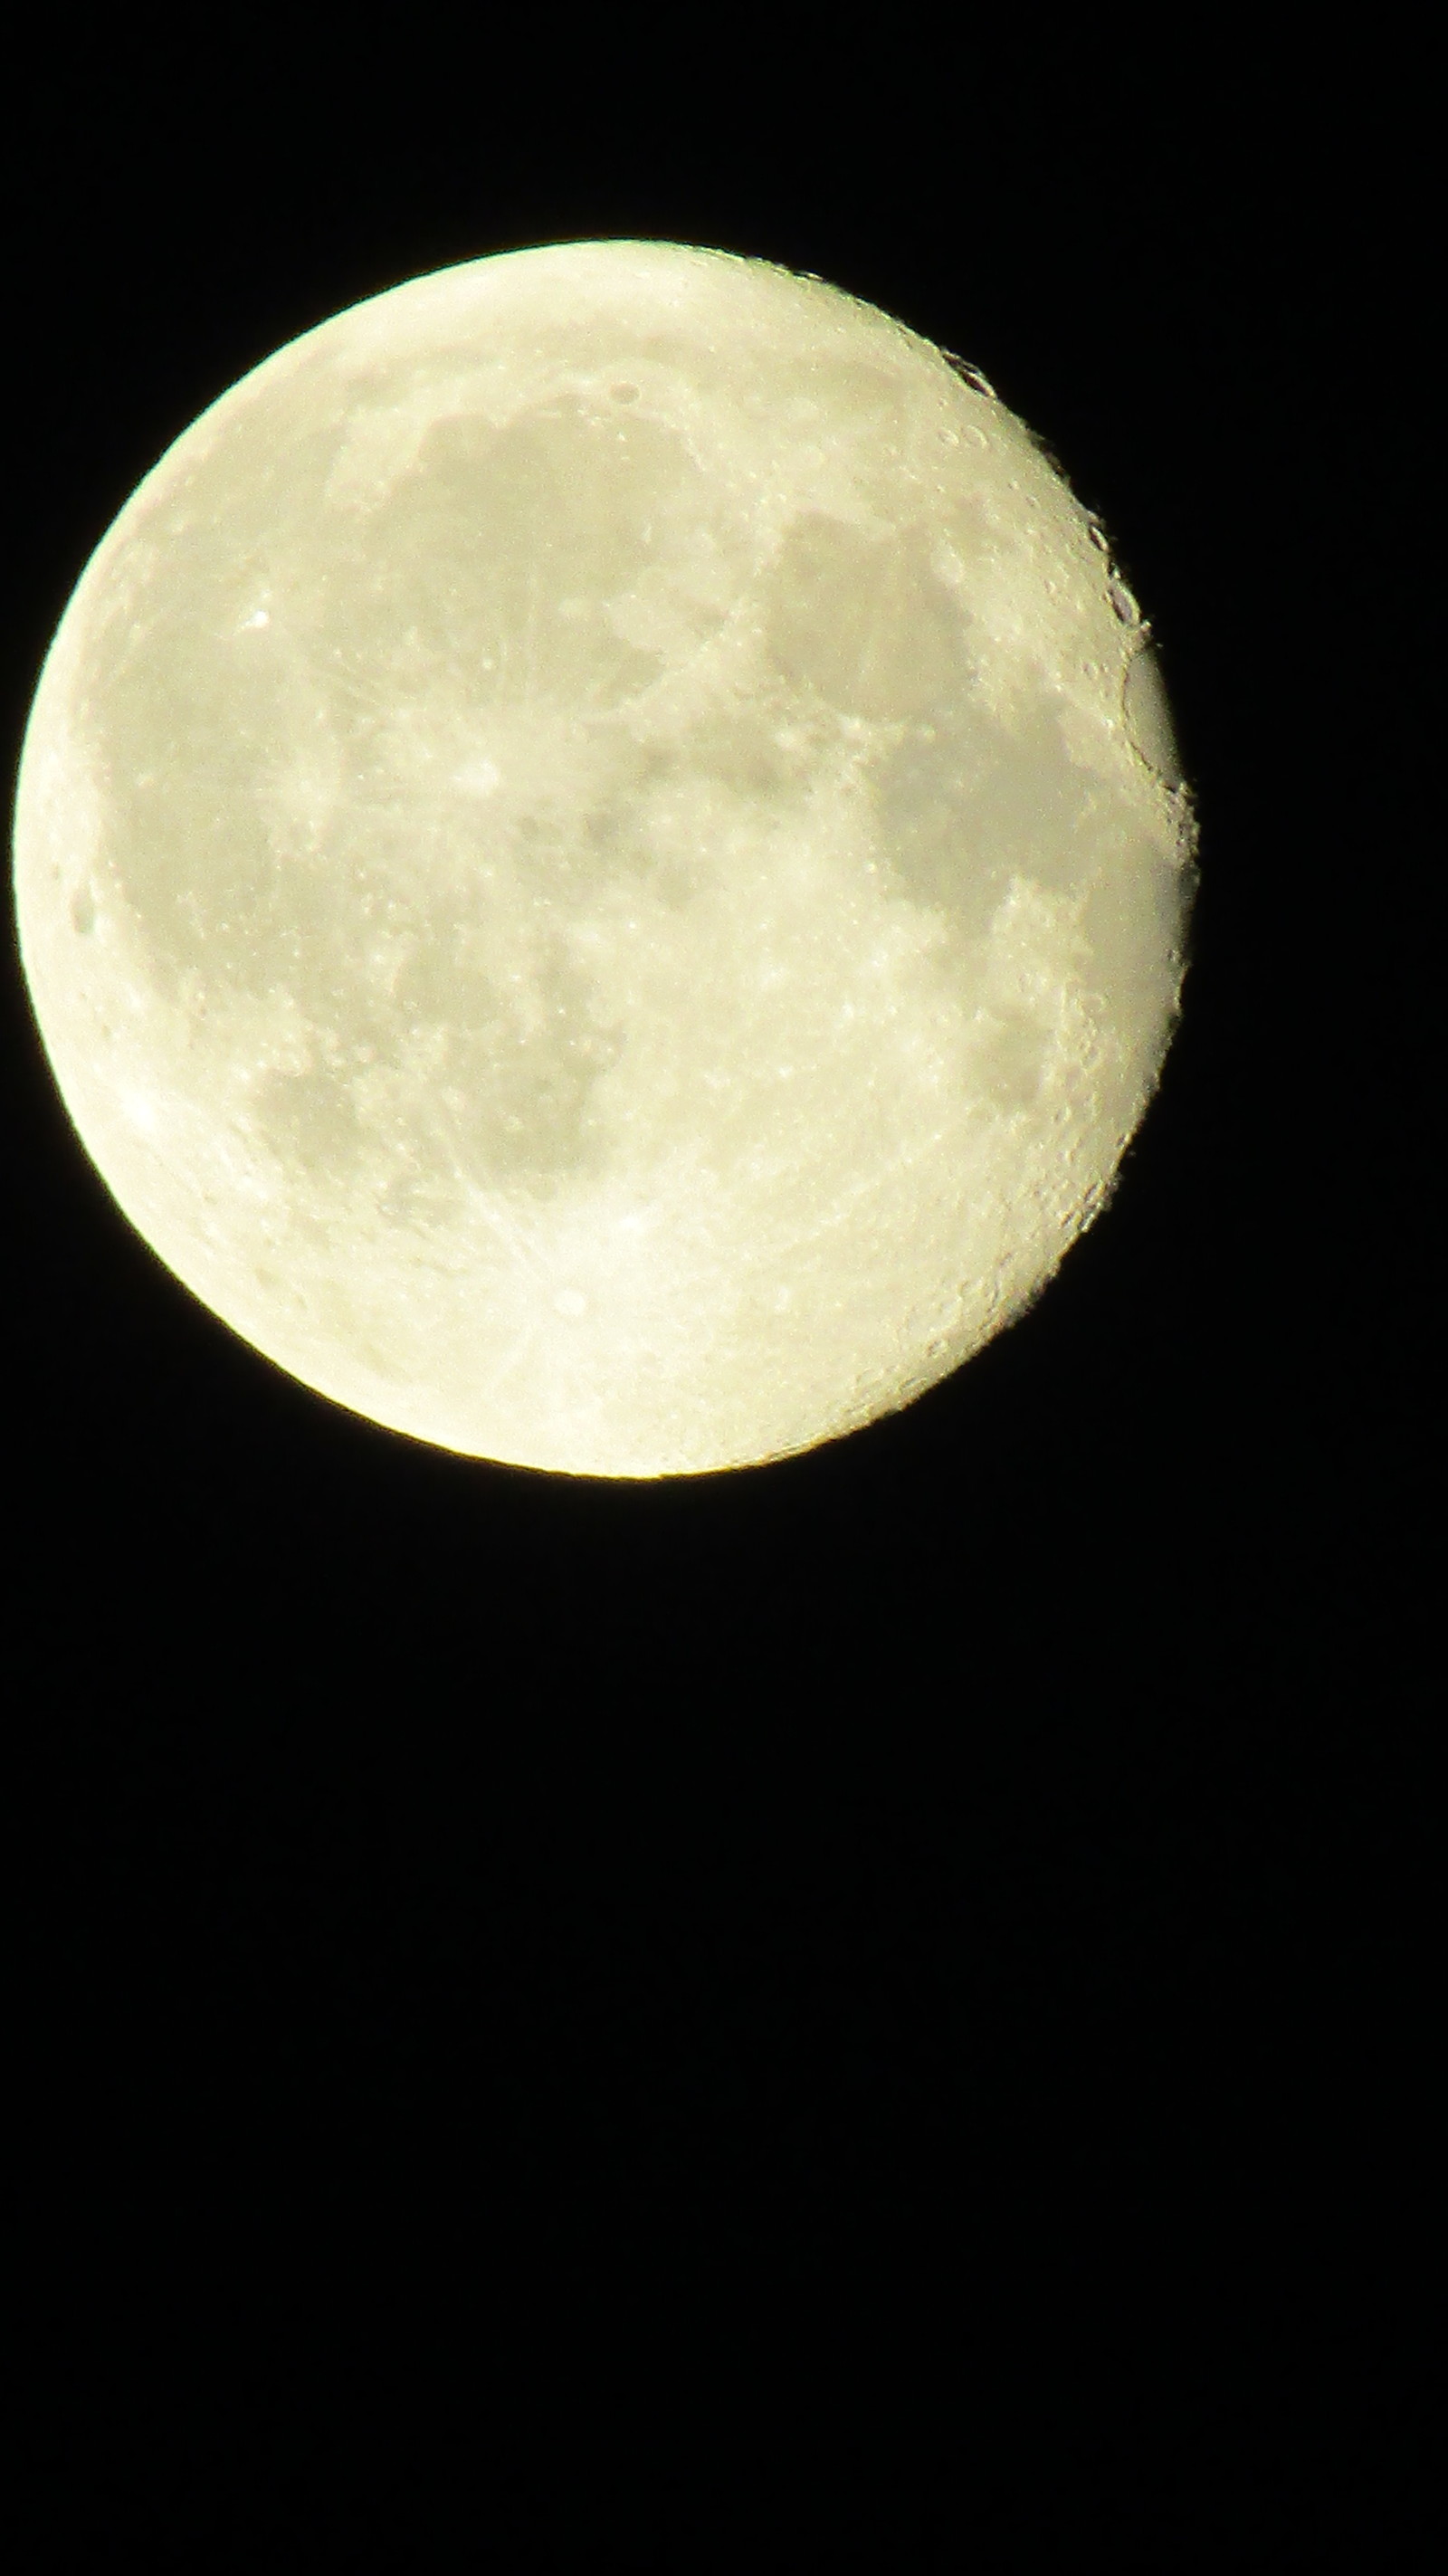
(600, 863)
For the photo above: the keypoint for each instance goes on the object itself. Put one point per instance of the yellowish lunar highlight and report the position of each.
(599, 861)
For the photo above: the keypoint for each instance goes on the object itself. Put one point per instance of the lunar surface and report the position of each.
(600, 861)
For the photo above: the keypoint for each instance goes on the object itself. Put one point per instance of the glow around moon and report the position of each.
(600, 864)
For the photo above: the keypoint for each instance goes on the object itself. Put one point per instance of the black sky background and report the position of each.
(862, 2013)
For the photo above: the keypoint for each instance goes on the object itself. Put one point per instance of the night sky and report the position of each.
(863, 2012)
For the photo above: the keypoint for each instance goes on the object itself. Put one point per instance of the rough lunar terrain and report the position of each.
(599, 861)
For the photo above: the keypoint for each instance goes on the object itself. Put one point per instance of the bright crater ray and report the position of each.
(599, 863)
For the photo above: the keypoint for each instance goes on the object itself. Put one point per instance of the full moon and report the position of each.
(600, 861)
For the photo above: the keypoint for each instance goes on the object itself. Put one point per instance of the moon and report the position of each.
(600, 861)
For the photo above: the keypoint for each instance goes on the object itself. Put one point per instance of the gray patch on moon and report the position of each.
(493, 533)
(1148, 716)
(1133, 923)
(862, 622)
(1011, 1063)
(739, 744)
(966, 807)
(381, 831)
